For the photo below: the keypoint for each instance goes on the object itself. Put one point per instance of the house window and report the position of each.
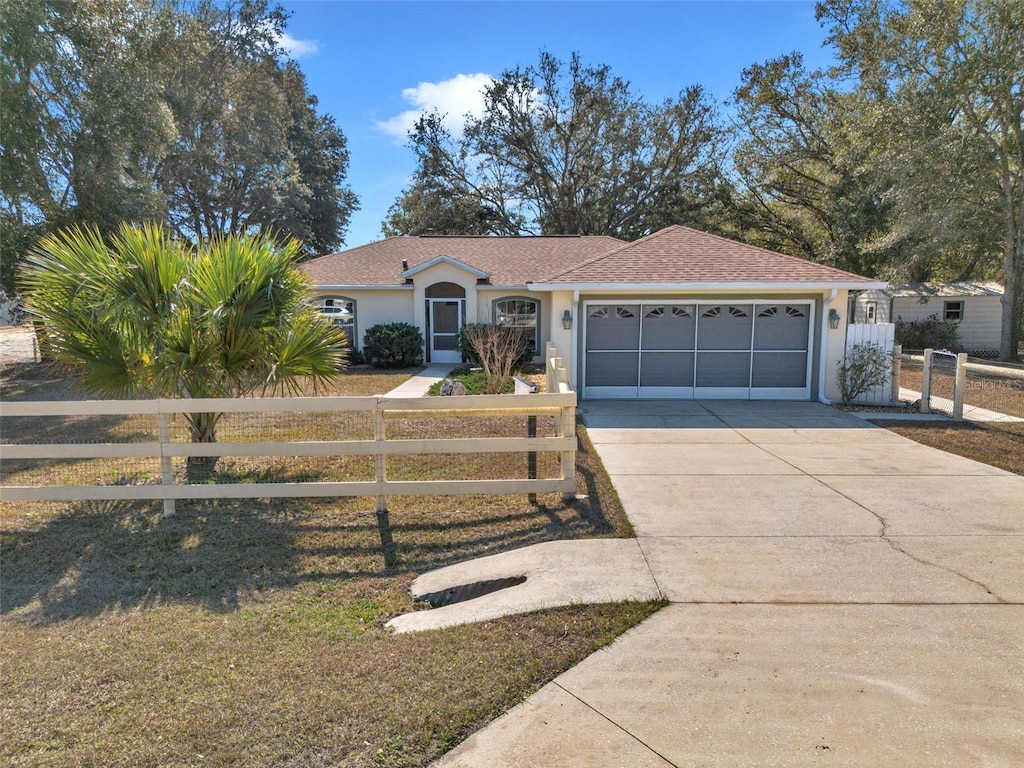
(522, 314)
(871, 308)
(953, 311)
(342, 312)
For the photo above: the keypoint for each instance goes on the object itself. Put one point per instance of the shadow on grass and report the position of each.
(94, 557)
(99, 556)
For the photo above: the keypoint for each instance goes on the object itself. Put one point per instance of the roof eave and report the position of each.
(383, 287)
(721, 285)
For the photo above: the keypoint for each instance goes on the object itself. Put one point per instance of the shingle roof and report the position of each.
(680, 254)
(508, 260)
(948, 289)
(675, 254)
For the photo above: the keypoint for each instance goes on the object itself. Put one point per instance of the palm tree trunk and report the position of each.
(202, 429)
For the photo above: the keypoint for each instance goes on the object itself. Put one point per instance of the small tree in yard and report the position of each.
(865, 367)
(146, 315)
(500, 350)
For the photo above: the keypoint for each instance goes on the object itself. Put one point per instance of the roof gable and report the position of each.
(479, 274)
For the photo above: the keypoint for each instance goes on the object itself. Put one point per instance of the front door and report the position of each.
(445, 324)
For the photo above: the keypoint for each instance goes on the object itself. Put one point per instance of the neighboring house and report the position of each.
(677, 314)
(976, 308)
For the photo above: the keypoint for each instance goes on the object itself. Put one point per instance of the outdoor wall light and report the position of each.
(567, 320)
(833, 319)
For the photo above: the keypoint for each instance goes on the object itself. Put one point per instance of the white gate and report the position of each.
(882, 334)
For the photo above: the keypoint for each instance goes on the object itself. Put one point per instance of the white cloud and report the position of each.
(453, 98)
(298, 48)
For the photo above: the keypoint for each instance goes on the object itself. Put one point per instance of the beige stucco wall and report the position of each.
(408, 305)
(486, 296)
(442, 273)
(375, 307)
(835, 339)
(561, 338)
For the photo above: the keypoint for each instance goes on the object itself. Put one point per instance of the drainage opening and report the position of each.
(464, 592)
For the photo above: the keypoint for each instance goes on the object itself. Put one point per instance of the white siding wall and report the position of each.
(982, 318)
(881, 301)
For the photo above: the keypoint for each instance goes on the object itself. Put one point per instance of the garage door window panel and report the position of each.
(668, 327)
(613, 327)
(724, 327)
(781, 327)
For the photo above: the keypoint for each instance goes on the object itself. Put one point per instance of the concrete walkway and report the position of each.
(839, 596)
(417, 385)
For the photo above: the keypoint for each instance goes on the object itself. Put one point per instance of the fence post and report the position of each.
(960, 384)
(568, 459)
(531, 457)
(897, 368)
(926, 382)
(163, 422)
(387, 543)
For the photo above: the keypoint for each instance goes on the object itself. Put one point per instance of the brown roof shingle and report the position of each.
(675, 254)
(508, 260)
(680, 254)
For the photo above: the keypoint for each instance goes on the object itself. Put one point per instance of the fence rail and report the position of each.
(560, 405)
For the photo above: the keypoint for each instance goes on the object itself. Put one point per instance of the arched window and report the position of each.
(343, 312)
(521, 313)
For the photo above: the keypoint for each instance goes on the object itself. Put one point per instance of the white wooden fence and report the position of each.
(882, 334)
(557, 375)
(561, 404)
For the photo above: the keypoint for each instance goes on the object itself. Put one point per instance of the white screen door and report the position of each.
(445, 324)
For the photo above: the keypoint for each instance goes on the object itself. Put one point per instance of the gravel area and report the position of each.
(17, 345)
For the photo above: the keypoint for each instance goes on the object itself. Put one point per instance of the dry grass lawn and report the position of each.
(988, 445)
(251, 633)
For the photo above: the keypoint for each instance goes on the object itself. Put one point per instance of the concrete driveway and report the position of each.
(839, 596)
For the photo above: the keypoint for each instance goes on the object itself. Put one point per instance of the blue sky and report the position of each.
(375, 64)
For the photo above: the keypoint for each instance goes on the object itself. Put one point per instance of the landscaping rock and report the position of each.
(453, 387)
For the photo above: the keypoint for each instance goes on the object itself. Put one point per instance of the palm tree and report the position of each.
(145, 316)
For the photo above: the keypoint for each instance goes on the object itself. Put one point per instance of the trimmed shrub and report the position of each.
(930, 333)
(393, 345)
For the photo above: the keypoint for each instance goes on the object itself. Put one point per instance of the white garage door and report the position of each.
(700, 349)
